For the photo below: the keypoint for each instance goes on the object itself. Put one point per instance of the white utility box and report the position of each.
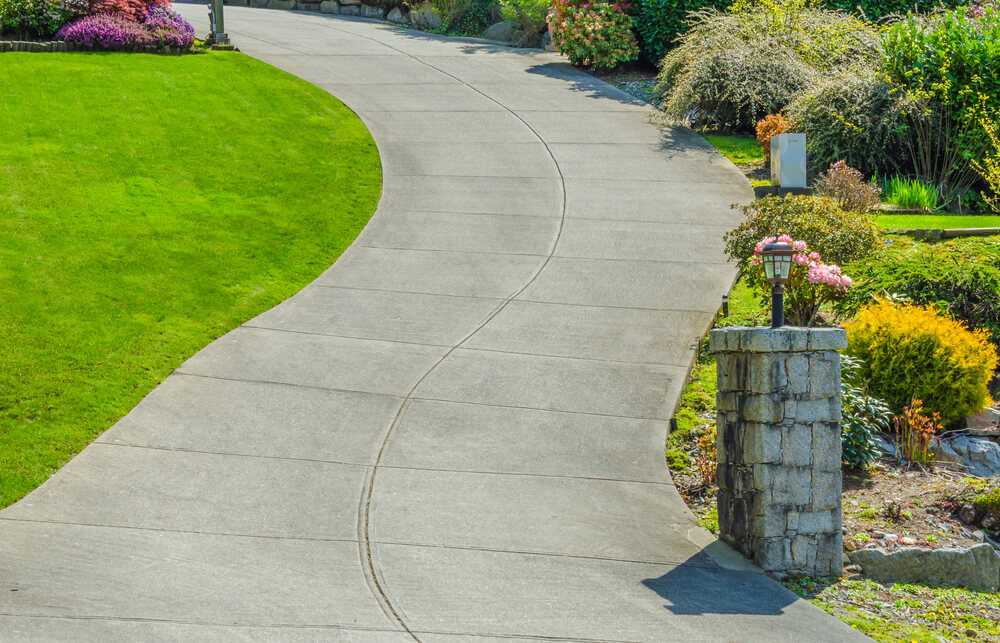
(788, 160)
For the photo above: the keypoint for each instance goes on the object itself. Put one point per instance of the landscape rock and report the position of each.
(371, 11)
(281, 4)
(977, 567)
(981, 456)
(398, 17)
(990, 522)
(546, 42)
(350, 9)
(425, 17)
(329, 6)
(967, 514)
(349, 2)
(888, 448)
(503, 31)
(985, 419)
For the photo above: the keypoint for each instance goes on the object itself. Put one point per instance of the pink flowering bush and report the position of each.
(593, 33)
(811, 282)
(159, 27)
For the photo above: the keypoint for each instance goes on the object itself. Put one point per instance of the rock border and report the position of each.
(51, 46)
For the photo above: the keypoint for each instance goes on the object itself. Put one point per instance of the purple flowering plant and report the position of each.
(161, 26)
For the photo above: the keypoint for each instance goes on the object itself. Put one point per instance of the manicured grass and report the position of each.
(149, 204)
(935, 221)
(738, 149)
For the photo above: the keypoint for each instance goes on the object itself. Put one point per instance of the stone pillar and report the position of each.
(779, 454)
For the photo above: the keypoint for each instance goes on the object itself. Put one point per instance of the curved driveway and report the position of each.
(456, 432)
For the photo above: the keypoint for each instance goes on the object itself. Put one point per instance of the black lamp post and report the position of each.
(218, 33)
(777, 258)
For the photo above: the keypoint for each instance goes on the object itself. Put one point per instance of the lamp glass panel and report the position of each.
(769, 267)
(782, 266)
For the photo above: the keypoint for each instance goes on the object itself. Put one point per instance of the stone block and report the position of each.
(789, 486)
(796, 445)
(827, 450)
(811, 411)
(768, 527)
(329, 6)
(772, 555)
(827, 488)
(258, 4)
(797, 372)
(724, 339)
(370, 11)
(728, 401)
(803, 552)
(827, 339)
(732, 371)
(350, 10)
(818, 522)
(766, 340)
(425, 17)
(762, 372)
(824, 374)
(349, 3)
(761, 444)
(281, 4)
(767, 409)
(792, 521)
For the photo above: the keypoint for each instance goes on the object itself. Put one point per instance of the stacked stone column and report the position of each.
(779, 453)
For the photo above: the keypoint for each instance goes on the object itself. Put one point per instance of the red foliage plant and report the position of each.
(134, 9)
(769, 126)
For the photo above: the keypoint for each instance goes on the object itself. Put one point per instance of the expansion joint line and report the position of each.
(365, 520)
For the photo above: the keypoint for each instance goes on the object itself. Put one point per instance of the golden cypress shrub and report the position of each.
(916, 352)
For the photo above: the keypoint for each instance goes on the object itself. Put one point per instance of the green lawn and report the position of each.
(935, 221)
(738, 149)
(149, 204)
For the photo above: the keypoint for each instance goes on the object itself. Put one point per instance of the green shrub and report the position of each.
(949, 67)
(988, 502)
(38, 19)
(911, 194)
(875, 9)
(732, 69)
(659, 22)
(862, 417)
(989, 166)
(528, 15)
(598, 35)
(854, 115)
(961, 276)
(848, 188)
(840, 237)
(914, 352)
(467, 17)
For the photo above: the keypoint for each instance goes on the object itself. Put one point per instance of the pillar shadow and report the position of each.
(701, 586)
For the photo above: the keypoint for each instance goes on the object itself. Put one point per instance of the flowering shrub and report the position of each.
(979, 7)
(597, 34)
(989, 166)
(770, 125)
(916, 352)
(841, 237)
(811, 283)
(161, 26)
(167, 27)
(848, 188)
(38, 18)
(134, 9)
(105, 31)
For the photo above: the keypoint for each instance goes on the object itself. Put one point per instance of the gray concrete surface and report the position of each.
(455, 433)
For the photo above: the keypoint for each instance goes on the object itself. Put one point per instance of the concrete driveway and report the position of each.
(457, 431)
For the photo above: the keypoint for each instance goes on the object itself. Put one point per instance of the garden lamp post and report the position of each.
(218, 35)
(777, 258)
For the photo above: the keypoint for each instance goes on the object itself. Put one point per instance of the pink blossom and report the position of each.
(785, 238)
(814, 256)
(801, 259)
(800, 245)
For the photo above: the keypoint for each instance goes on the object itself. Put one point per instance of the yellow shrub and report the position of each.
(917, 352)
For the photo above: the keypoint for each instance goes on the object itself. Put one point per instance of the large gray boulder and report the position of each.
(981, 456)
(976, 567)
(504, 31)
(425, 17)
(397, 16)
